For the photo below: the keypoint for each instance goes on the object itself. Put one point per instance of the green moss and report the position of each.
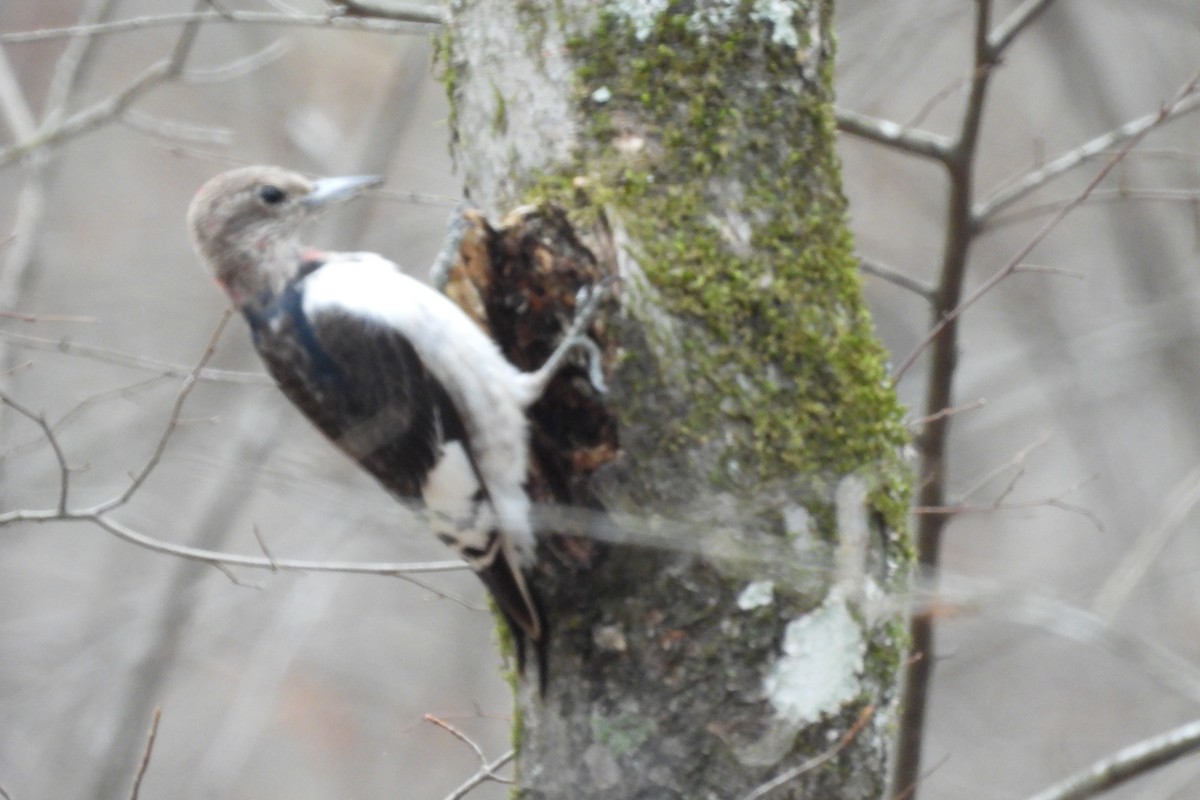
(747, 240)
(443, 59)
(500, 114)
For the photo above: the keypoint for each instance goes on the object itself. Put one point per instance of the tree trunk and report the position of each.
(741, 623)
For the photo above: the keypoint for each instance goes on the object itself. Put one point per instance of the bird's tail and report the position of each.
(500, 570)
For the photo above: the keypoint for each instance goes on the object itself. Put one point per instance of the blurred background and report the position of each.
(1071, 626)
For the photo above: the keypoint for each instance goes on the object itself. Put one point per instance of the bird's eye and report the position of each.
(271, 195)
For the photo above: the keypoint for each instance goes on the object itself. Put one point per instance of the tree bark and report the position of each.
(742, 620)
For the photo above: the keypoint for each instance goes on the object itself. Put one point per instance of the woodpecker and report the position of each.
(393, 372)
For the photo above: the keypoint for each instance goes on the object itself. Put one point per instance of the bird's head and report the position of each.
(245, 224)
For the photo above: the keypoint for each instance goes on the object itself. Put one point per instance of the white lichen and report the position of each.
(756, 595)
(778, 13)
(819, 669)
(642, 13)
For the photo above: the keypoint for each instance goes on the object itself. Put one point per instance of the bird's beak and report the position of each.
(331, 190)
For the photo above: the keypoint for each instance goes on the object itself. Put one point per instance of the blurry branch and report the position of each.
(893, 276)
(1186, 196)
(913, 141)
(1006, 32)
(32, 200)
(98, 515)
(176, 131)
(920, 422)
(487, 769)
(240, 67)
(956, 595)
(388, 9)
(1184, 103)
(64, 471)
(1126, 764)
(90, 118)
(164, 368)
(53, 131)
(419, 21)
(1017, 464)
(1187, 96)
(23, 317)
(808, 766)
(145, 762)
(958, 157)
(5, 794)
(1183, 498)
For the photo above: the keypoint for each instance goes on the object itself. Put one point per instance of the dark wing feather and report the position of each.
(363, 385)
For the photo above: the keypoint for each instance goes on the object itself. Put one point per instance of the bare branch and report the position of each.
(64, 471)
(179, 131)
(14, 106)
(1126, 764)
(984, 212)
(456, 733)
(814, 762)
(1180, 502)
(1187, 95)
(382, 9)
(947, 412)
(90, 118)
(1006, 32)
(5, 794)
(487, 770)
(23, 317)
(189, 383)
(241, 67)
(145, 763)
(913, 141)
(919, 288)
(262, 545)
(486, 773)
(423, 17)
(165, 368)
(1119, 195)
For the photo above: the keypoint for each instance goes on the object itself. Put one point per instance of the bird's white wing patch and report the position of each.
(489, 392)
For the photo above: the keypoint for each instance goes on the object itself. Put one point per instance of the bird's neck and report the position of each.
(255, 275)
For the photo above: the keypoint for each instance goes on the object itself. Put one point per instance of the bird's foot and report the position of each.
(587, 306)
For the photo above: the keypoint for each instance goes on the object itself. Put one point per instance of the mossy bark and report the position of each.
(743, 626)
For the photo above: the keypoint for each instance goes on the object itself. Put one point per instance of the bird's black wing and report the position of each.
(363, 385)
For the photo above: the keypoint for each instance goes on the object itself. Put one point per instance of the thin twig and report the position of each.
(1006, 32)
(39, 419)
(240, 67)
(814, 762)
(947, 412)
(1187, 94)
(1176, 508)
(913, 141)
(985, 212)
(1119, 195)
(145, 763)
(487, 772)
(262, 545)
(1126, 764)
(90, 118)
(919, 288)
(23, 317)
(165, 368)
(456, 733)
(418, 24)
(5, 794)
(189, 384)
